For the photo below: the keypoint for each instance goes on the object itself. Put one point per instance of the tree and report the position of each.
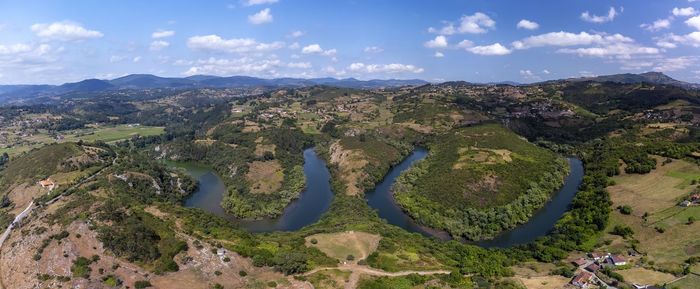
(691, 220)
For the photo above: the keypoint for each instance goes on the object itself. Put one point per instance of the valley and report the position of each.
(322, 186)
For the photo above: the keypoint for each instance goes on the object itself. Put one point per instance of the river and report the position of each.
(313, 202)
(316, 199)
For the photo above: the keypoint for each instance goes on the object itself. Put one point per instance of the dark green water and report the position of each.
(316, 199)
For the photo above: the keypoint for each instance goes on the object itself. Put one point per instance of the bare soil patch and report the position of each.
(265, 177)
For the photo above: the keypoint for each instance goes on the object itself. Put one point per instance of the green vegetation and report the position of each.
(503, 180)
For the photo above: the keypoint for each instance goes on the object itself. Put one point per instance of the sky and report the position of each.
(57, 41)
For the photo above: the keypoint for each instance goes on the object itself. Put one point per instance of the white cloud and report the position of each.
(562, 38)
(259, 2)
(440, 41)
(64, 31)
(245, 65)
(612, 13)
(527, 24)
(657, 25)
(236, 45)
(674, 64)
(14, 49)
(672, 40)
(262, 17)
(294, 46)
(316, 49)
(296, 34)
(465, 43)
(304, 65)
(473, 24)
(687, 11)
(158, 45)
(529, 75)
(694, 22)
(666, 44)
(392, 68)
(595, 45)
(136, 59)
(546, 71)
(438, 54)
(162, 34)
(493, 49)
(621, 50)
(373, 49)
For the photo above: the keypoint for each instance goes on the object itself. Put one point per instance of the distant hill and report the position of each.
(647, 77)
(17, 93)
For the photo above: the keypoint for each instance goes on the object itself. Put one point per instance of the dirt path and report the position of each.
(358, 270)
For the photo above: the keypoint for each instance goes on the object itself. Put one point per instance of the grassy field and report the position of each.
(657, 193)
(265, 177)
(106, 134)
(341, 245)
(329, 279)
(689, 282)
(646, 276)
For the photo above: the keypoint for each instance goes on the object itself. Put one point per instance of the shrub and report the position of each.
(141, 284)
(625, 210)
(242, 273)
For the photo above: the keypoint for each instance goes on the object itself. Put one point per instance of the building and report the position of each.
(593, 267)
(597, 256)
(580, 262)
(47, 183)
(618, 260)
(582, 279)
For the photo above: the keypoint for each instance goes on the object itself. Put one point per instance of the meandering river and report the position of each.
(313, 201)
(316, 199)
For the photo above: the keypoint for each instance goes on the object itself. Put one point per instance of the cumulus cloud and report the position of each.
(438, 54)
(244, 65)
(694, 22)
(14, 49)
(393, 68)
(236, 45)
(529, 75)
(493, 49)
(304, 65)
(296, 34)
(592, 44)
(316, 49)
(159, 45)
(673, 40)
(657, 25)
(687, 11)
(64, 31)
(162, 34)
(465, 43)
(373, 49)
(527, 24)
(674, 64)
(562, 38)
(262, 17)
(588, 17)
(472, 24)
(440, 41)
(623, 50)
(259, 2)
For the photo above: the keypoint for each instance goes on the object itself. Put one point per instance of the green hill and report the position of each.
(478, 181)
(37, 164)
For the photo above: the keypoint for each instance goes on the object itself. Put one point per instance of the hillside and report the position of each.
(484, 174)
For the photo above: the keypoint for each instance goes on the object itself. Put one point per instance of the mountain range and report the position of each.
(13, 93)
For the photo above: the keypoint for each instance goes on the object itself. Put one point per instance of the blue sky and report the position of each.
(481, 40)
